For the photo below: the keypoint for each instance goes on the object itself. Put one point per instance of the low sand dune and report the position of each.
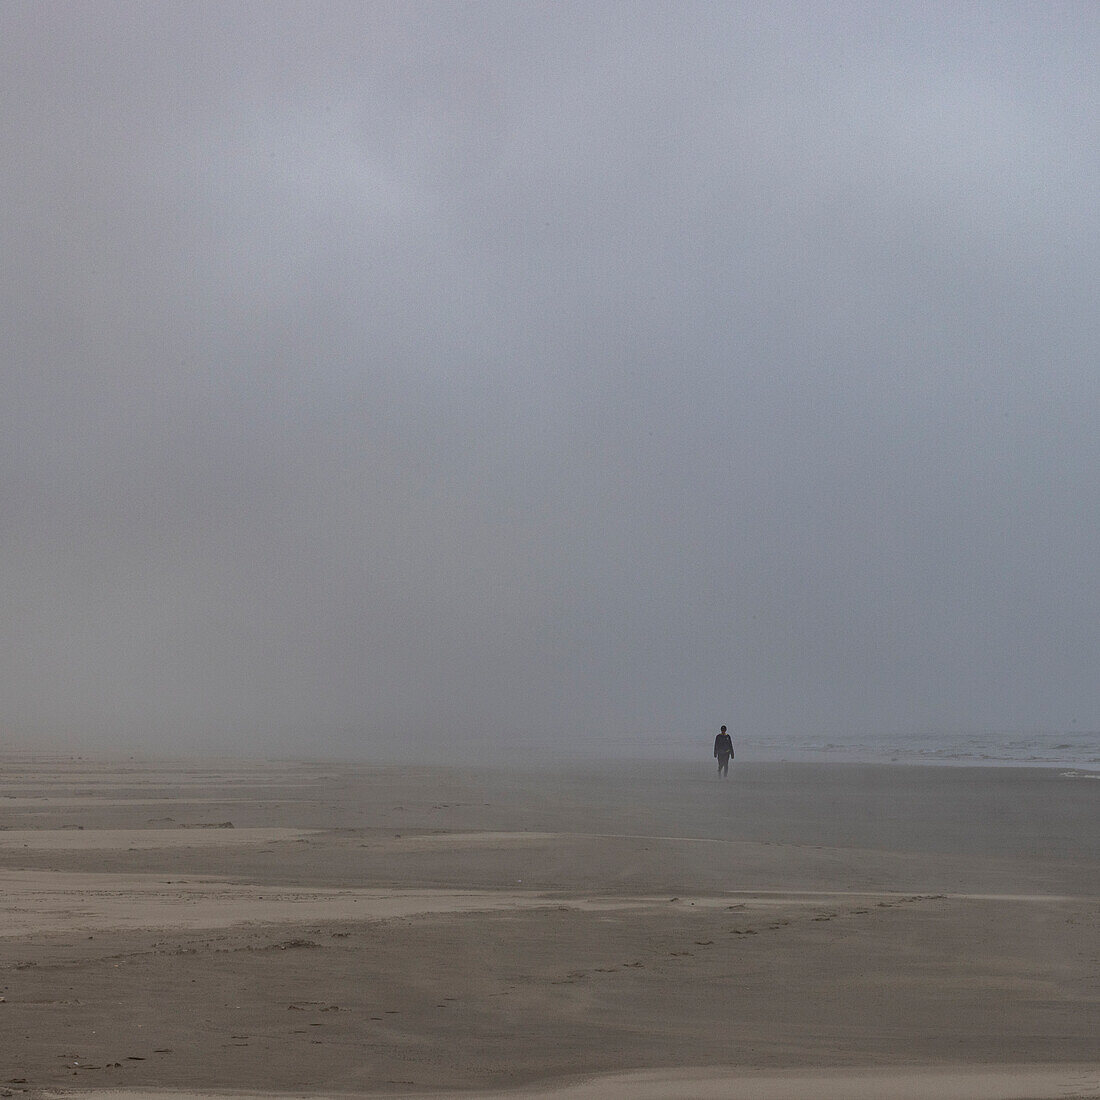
(61, 902)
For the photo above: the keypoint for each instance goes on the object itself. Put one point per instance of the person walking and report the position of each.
(723, 752)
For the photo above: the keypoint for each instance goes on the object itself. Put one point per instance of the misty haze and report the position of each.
(386, 378)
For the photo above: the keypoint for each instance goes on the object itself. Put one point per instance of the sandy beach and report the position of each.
(801, 930)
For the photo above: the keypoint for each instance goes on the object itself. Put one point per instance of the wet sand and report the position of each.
(209, 929)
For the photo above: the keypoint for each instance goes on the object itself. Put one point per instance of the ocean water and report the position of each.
(1076, 750)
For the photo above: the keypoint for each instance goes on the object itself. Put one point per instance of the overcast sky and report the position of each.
(413, 377)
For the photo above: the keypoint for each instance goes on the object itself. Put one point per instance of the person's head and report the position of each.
(723, 729)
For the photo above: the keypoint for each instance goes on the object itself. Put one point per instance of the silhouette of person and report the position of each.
(723, 752)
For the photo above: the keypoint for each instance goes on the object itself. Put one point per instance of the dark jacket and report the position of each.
(723, 745)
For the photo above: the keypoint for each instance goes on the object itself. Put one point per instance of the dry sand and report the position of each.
(798, 931)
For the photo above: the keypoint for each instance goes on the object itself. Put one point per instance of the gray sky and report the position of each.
(403, 376)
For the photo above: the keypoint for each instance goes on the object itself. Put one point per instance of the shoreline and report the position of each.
(685, 754)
